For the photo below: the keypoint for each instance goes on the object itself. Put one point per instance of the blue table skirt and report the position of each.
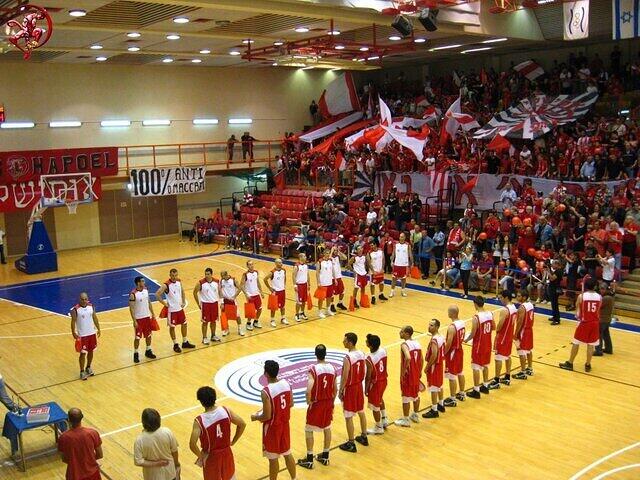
(15, 424)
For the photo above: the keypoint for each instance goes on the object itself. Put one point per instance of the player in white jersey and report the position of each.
(376, 265)
(401, 261)
(141, 310)
(251, 286)
(359, 263)
(324, 277)
(276, 282)
(230, 291)
(338, 285)
(85, 328)
(206, 293)
(301, 286)
(174, 304)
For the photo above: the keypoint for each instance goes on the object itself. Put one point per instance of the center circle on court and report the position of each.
(243, 379)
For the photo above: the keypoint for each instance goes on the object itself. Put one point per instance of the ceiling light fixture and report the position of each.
(196, 60)
(364, 49)
(375, 57)
(134, 49)
(310, 67)
(247, 41)
(96, 47)
(205, 121)
(476, 50)
(278, 43)
(235, 53)
(134, 35)
(444, 47)
(115, 123)
(167, 60)
(395, 38)
(14, 125)
(156, 123)
(239, 121)
(65, 124)
(181, 20)
(77, 12)
(496, 40)
(420, 40)
(101, 59)
(274, 64)
(205, 51)
(173, 36)
(301, 29)
(339, 47)
(333, 32)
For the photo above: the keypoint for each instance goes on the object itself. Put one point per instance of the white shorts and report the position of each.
(475, 366)
(522, 353)
(312, 428)
(435, 389)
(409, 399)
(348, 414)
(578, 342)
(451, 376)
(274, 456)
(373, 408)
(501, 358)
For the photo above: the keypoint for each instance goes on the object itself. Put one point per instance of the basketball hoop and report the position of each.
(72, 207)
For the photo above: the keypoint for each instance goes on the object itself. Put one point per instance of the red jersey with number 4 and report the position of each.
(481, 349)
(215, 440)
(590, 307)
(275, 431)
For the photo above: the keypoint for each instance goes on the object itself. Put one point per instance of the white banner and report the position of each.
(576, 19)
(152, 182)
(487, 190)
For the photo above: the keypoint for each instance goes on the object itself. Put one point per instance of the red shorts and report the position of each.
(256, 300)
(353, 401)
(400, 272)
(375, 394)
(275, 440)
(503, 349)
(219, 465)
(319, 415)
(481, 357)
(209, 312)
(453, 363)
(302, 292)
(95, 476)
(587, 333)
(435, 378)
(338, 287)
(377, 278)
(176, 318)
(281, 296)
(331, 290)
(143, 327)
(409, 391)
(526, 340)
(361, 281)
(88, 343)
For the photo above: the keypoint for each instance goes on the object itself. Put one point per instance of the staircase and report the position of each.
(628, 296)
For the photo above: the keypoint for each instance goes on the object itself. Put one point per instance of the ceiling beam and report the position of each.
(114, 51)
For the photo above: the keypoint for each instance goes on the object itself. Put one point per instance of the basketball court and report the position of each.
(575, 425)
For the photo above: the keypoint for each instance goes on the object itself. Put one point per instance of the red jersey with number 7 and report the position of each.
(353, 400)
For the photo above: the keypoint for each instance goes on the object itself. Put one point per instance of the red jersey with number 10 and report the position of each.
(590, 307)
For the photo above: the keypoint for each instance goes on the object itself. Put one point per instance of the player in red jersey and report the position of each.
(434, 370)
(276, 282)
(213, 430)
(351, 392)
(454, 356)
(481, 327)
(252, 287)
(141, 310)
(588, 330)
(85, 328)
(376, 383)
(524, 335)
(207, 294)
(277, 400)
(503, 345)
(174, 304)
(322, 388)
(410, 372)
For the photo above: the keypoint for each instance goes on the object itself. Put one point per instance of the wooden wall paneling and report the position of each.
(124, 219)
(156, 216)
(16, 230)
(107, 213)
(170, 213)
(140, 214)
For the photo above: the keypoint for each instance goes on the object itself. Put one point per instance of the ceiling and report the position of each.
(220, 26)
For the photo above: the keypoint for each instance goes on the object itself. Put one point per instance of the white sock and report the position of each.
(477, 389)
(135, 350)
(147, 349)
(383, 413)
(434, 408)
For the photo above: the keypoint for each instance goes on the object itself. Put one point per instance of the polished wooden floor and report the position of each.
(555, 425)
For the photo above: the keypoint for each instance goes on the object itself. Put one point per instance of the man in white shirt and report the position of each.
(608, 263)
(156, 449)
(372, 216)
(508, 196)
(3, 259)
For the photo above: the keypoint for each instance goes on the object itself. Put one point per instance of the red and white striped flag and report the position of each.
(454, 119)
(341, 163)
(529, 69)
(439, 181)
(431, 113)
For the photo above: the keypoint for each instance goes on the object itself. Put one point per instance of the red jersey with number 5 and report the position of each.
(324, 378)
(590, 307)
(275, 431)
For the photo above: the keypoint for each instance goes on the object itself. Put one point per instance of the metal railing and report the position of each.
(315, 179)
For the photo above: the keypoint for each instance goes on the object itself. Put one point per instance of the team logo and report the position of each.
(17, 167)
(243, 379)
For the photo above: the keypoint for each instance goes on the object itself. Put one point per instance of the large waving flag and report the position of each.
(385, 113)
(529, 69)
(339, 97)
(626, 19)
(414, 141)
(453, 120)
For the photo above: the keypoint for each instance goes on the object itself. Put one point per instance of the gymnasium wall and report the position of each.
(277, 100)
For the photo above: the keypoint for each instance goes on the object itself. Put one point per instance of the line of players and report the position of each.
(366, 375)
(213, 295)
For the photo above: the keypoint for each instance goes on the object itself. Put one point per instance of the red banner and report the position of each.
(17, 196)
(26, 166)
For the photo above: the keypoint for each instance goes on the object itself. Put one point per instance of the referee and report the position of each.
(553, 291)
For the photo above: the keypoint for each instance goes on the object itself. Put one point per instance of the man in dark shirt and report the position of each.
(571, 271)
(553, 290)
(247, 145)
(606, 311)
(590, 258)
(230, 143)
(614, 168)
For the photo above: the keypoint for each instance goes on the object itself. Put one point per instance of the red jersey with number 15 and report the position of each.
(590, 307)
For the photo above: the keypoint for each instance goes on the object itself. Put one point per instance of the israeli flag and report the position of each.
(576, 20)
(626, 19)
